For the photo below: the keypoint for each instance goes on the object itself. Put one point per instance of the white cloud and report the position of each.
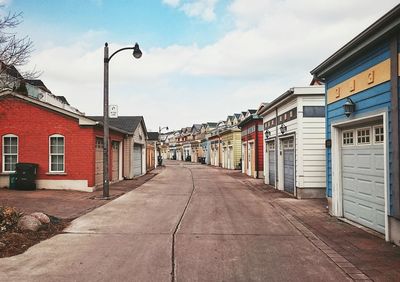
(200, 8)
(173, 3)
(203, 9)
(272, 47)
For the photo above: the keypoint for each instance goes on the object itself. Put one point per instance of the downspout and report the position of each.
(256, 149)
(276, 148)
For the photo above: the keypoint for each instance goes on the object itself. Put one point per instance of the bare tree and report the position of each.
(14, 51)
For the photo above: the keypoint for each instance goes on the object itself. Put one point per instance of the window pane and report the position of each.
(9, 162)
(7, 141)
(313, 111)
(14, 141)
(13, 149)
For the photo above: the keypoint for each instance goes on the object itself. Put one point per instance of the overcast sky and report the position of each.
(202, 59)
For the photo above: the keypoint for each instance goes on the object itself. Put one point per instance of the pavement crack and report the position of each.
(173, 263)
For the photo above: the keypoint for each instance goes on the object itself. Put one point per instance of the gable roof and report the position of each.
(11, 71)
(196, 127)
(38, 83)
(125, 123)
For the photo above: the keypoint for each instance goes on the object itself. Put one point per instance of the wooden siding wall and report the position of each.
(311, 172)
(369, 100)
(260, 140)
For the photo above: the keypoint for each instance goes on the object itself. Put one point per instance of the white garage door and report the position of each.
(137, 160)
(115, 160)
(271, 162)
(363, 176)
(99, 162)
(288, 165)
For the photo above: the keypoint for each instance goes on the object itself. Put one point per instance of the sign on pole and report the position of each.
(113, 111)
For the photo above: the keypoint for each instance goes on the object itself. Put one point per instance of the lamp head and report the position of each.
(349, 107)
(136, 51)
(283, 128)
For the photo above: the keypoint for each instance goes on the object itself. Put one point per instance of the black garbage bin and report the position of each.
(25, 176)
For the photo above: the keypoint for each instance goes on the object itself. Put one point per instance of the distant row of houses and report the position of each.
(39, 127)
(339, 140)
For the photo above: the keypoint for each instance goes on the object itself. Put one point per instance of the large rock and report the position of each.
(43, 218)
(28, 222)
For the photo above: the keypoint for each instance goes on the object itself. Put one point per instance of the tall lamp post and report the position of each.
(159, 138)
(137, 54)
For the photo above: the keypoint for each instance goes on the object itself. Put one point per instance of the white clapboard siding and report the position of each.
(313, 145)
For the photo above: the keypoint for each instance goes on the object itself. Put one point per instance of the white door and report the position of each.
(271, 162)
(115, 161)
(231, 164)
(98, 179)
(137, 160)
(288, 165)
(249, 158)
(363, 176)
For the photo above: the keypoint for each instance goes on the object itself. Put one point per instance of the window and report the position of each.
(348, 138)
(288, 143)
(379, 134)
(10, 152)
(313, 111)
(56, 153)
(363, 136)
(271, 146)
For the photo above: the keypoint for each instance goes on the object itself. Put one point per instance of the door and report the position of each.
(288, 165)
(271, 162)
(249, 158)
(98, 179)
(137, 160)
(363, 176)
(115, 161)
(231, 163)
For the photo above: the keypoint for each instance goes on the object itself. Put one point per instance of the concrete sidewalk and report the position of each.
(67, 204)
(127, 239)
(365, 252)
(378, 259)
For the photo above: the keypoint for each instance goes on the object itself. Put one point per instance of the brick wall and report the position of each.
(33, 125)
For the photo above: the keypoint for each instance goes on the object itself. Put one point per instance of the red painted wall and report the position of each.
(33, 125)
(260, 140)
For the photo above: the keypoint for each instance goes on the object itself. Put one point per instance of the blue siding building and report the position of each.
(362, 127)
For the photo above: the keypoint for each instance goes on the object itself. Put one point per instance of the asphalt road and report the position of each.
(189, 223)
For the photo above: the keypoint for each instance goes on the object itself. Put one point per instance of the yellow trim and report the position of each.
(367, 79)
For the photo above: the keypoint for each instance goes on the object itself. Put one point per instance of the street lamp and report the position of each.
(136, 54)
(159, 138)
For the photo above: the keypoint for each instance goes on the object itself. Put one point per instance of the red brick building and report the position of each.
(67, 146)
(252, 145)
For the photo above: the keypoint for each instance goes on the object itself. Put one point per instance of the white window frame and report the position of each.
(4, 154)
(370, 136)
(58, 154)
(382, 134)
(354, 137)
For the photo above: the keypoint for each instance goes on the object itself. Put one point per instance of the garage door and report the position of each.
(288, 165)
(363, 176)
(271, 162)
(99, 162)
(115, 160)
(137, 160)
